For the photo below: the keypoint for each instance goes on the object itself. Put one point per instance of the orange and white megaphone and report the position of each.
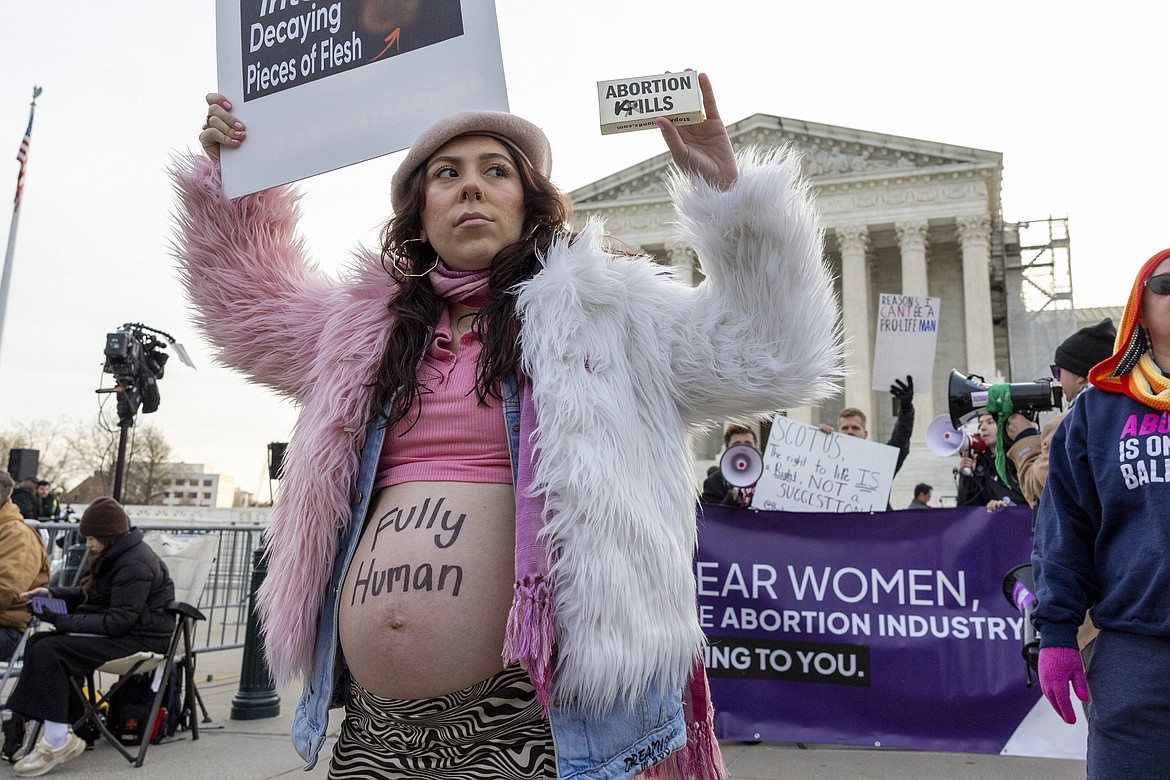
(741, 465)
(943, 438)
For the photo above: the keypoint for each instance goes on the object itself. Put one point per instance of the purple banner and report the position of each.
(888, 629)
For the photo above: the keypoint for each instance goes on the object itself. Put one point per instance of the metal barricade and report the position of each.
(225, 596)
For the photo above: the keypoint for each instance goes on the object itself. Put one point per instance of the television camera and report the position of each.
(134, 355)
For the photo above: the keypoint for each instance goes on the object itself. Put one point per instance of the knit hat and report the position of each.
(1087, 347)
(104, 517)
(525, 136)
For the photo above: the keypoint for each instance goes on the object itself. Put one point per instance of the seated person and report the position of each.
(118, 610)
(979, 482)
(23, 567)
(716, 489)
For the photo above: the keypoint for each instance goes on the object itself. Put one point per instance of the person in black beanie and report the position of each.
(1028, 446)
(118, 609)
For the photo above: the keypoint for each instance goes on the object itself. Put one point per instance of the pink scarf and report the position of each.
(467, 287)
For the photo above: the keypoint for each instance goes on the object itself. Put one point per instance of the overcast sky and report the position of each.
(1072, 93)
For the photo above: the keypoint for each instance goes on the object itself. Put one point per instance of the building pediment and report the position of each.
(832, 156)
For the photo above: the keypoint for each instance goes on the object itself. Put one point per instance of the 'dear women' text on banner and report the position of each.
(891, 633)
(322, 85)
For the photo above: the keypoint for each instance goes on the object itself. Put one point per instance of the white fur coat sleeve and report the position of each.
(761, 332)
(622, 357)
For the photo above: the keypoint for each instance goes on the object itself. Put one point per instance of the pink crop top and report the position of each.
(456, 439)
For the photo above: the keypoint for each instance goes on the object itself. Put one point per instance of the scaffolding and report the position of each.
(1037, 262)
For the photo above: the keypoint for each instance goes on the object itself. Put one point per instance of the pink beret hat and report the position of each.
(525, 136)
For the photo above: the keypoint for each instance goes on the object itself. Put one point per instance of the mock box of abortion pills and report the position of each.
(634, 104)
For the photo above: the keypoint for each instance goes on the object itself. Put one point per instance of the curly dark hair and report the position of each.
(416, 307)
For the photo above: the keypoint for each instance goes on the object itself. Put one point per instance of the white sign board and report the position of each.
(321, 85)
(907, 329)
(634, 103)
(809, 471)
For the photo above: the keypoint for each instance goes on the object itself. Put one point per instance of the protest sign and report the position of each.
(907, 330)
(890, 633)
(634, 103)
(809, 471)
(321, 85)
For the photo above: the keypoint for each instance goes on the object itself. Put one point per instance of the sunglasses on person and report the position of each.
(1159, 285)
(1055, 369)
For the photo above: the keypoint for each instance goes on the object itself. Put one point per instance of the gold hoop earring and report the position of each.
(398, 266)
(434, 265)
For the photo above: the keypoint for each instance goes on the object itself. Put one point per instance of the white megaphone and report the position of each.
(943, 438)
(741, 465)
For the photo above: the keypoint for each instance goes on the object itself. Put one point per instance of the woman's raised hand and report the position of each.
(703, 149)
(42, 592)
(221, 128)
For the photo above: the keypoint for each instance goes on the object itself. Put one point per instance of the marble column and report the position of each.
(912, 241)
(682, 257)
(974, 234)
(855, 320)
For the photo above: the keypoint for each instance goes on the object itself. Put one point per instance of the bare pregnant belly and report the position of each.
(425, 600)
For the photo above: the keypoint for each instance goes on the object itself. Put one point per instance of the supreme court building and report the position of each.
(902, 216)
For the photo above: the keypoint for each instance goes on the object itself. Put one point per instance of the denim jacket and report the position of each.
(616, 744)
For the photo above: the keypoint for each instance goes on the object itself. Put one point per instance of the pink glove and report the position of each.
(1058, 667)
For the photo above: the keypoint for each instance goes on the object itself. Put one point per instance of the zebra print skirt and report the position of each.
(490, 731)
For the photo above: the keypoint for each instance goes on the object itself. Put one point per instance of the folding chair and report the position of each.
(11, 668)
(188, 560)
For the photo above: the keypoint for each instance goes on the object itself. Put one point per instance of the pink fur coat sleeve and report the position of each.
(273, 317)
(253, 294)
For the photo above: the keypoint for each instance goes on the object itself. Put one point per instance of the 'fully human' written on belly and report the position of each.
(372, 581)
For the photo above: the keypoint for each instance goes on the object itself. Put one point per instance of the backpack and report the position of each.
(130, 709)
(13, 738)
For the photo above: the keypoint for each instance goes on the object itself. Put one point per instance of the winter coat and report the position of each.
(624, 361)
(28, 502)
(23, 565)
(129, 594)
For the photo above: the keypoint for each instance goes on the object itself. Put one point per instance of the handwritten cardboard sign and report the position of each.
(907, 330)
(322, 85)
(809, 471)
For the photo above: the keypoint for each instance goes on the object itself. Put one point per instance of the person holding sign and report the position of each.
(1101, 543)
(490, 468)
(852, 422)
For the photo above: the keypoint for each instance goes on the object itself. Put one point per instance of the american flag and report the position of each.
(22, 157)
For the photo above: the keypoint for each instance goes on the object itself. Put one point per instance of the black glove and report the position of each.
(904, 392)
(49, 617)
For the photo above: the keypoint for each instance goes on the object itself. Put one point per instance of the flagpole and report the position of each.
(22, 156)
